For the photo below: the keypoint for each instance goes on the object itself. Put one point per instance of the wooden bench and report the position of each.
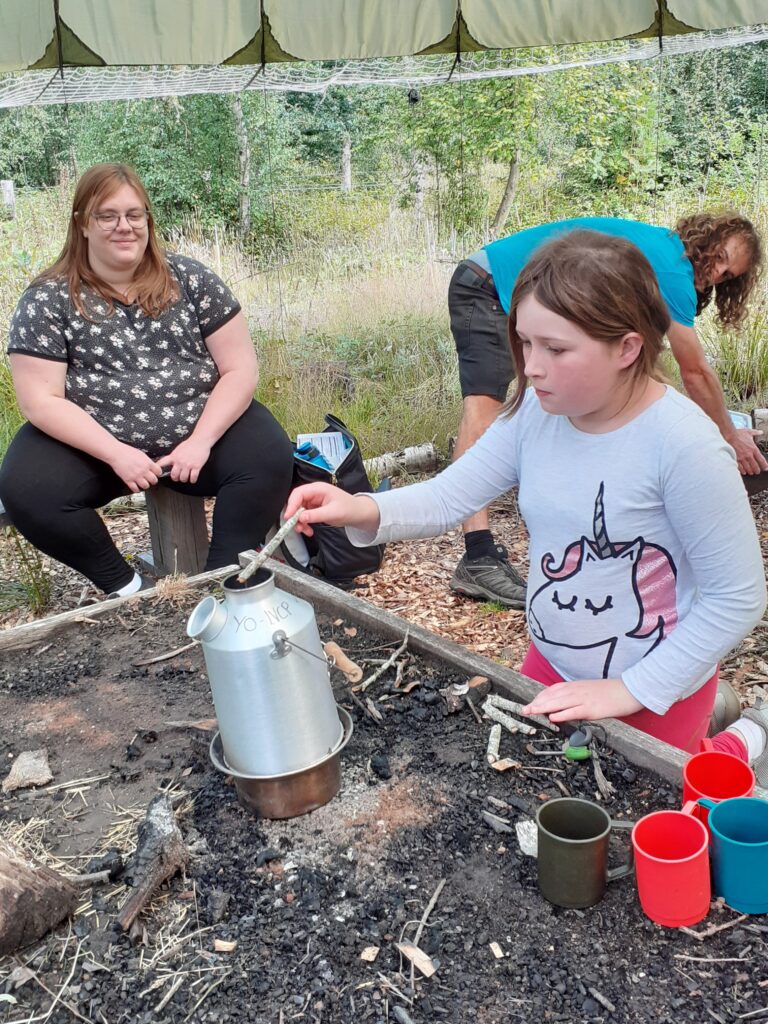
(177, 530)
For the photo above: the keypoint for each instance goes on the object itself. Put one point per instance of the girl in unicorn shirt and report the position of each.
(645, 567)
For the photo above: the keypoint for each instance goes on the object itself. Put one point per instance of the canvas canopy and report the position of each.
(39, 34)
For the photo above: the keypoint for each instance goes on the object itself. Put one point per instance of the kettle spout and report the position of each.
(207, 620)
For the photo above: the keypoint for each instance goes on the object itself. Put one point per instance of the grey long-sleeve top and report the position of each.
(644, 558)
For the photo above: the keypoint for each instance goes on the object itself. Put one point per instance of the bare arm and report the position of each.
(232, 350)
(40, 389)
(703, 386)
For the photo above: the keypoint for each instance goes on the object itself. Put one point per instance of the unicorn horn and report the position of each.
(603, 545)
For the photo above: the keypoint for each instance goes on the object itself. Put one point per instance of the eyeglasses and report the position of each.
(109, 220)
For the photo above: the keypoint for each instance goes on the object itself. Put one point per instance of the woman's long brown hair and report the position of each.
(154, 286)
(702, 235)
(602, 284)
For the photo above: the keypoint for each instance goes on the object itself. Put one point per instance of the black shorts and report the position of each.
(479, 328)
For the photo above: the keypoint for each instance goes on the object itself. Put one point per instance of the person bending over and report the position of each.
(129, 361)
(707, 256)
(645, 562)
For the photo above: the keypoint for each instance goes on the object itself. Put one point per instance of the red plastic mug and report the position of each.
(672, 867)
(715, 776)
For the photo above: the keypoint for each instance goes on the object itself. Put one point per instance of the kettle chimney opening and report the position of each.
(260, 577)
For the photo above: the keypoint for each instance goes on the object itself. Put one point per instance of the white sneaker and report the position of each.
(727, 709)
(759, 715)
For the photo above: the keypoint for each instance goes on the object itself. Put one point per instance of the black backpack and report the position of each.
(332, 556)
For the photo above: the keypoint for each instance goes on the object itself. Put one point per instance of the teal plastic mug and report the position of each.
(739, 848)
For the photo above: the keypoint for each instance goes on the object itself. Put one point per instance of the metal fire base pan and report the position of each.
(288, 796)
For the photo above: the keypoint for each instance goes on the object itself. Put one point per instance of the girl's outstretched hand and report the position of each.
(584, 700)
(324, 503)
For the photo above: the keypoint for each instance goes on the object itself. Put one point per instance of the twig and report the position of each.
(267, 550)
(607, 789)
(387, 664)
(165, 657)
(93, 879)
(170, 993)
(754, 1013)
(206, 994)
(427, 911)
(65, 986)
(395, 989)
(509, 723)
(494, 739)
(76, 783)
(429, 908)
(713, 929)
(373, 711)
(714, 959)
(69, 1006)
(497, 701)
(472, 708)
(362, 706)
(602, 1000)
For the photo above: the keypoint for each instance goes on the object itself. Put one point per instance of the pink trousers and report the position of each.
(685, 724)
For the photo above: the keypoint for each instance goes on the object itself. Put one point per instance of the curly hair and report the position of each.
(702, 234)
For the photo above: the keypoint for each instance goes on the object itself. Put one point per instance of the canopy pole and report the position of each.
(659, 98)
(759, 177)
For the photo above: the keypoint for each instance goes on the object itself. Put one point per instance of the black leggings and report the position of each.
(50, 491)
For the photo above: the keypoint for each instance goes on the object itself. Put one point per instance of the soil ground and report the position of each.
(303, 898)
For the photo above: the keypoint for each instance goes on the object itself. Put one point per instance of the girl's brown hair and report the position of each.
(600, 283)
(154, 286)
(702, 235)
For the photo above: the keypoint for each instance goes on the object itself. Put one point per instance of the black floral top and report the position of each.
(145, 379)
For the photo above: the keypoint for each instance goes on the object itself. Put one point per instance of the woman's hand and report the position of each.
(186, 460)
(584, 700)
(324, 503)
(137, 471)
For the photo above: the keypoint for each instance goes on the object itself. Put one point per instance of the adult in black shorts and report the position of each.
(129, 362)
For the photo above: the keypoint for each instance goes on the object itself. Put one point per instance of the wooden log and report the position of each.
(33, 899)
(760, 422)
(178, 531)
(160, 853)
(421, 458)
(30, 633)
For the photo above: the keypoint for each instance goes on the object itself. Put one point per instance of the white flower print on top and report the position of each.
(128, 368)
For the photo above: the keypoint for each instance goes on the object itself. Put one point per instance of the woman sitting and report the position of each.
(131, 363)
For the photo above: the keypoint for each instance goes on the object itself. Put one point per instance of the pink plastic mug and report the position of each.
(672, 867)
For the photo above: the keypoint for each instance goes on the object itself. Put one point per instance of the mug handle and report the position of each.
(706, 745)
(689, 807)
(705, 802)
(629, 866)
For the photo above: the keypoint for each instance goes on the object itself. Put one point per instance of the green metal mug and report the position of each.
(573, 837)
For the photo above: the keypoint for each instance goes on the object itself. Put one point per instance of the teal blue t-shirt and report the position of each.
(660, 246)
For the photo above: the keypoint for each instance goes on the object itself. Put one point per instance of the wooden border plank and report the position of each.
(637, 747)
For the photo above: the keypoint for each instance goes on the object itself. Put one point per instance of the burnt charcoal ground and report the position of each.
(303, 898)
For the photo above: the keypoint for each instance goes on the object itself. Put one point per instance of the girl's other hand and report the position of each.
(137, 471)
(584, 700)
(324, 503)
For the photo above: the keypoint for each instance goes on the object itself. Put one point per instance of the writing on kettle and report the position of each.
(273, 616)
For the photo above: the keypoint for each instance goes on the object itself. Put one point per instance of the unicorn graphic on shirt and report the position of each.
(618, 596)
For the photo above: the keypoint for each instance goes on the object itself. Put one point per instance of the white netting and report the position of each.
(84, 85)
